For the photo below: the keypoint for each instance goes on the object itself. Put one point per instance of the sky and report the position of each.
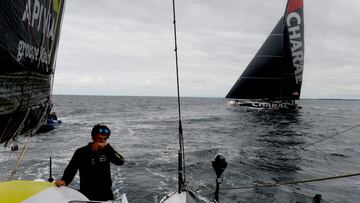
(126, 47)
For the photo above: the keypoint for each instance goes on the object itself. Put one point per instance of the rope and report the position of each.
(304, 181)
(189, 177)
(311, 144)
(339, 133)
(20, 158)
(294, 182)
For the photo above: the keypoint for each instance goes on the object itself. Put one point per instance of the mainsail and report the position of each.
(275, 73)
(29, 36)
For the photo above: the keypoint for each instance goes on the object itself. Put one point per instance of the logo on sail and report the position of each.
(40, 16)
(294, 22)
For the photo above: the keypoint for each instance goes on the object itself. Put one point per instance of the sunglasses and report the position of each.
(104, 131)
(99, 139)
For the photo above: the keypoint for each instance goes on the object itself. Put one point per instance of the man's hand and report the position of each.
(59, 183)
(96, 146)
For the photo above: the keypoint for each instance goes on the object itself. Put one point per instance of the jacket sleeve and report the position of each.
(71, 169)
(114, 156)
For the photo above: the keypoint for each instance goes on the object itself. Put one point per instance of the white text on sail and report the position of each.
(293, 21)
(38, 16)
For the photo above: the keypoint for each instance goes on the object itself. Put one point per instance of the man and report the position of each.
(52, 116)
(93, 163)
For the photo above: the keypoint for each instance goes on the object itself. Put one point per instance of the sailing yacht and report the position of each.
(273, 78)
(30, 32)
(29, 37)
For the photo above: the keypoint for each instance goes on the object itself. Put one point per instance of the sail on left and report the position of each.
(29, 37)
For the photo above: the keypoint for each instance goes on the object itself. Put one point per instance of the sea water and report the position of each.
(259, 147)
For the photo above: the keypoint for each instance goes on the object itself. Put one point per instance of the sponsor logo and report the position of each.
(294, 21)
(40, 17)
(102, 158)
(269, 105)
(33, 53)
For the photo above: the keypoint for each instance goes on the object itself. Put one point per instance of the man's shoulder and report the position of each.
(83, 149)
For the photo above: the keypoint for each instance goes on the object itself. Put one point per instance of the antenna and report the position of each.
(51, 179)
(181, 157)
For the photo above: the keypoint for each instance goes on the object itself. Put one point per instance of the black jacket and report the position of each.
(94, 169)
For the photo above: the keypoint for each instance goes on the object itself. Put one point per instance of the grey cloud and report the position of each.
(131, 44)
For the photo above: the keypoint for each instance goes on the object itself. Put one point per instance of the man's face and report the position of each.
(100, 138)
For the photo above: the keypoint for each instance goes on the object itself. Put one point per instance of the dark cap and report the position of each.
(100, 129)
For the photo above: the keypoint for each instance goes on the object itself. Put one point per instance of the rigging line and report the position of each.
(222, 198)
(181, 139)
(294, 182)
(207, 188)
(21, 124)
(12, 156)
(339, 133)
(251, 177)
(6, 167)
(308, 145)
(334, 177)
(20, 158)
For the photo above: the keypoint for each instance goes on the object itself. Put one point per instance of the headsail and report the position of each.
(275, 72)
(29, 33)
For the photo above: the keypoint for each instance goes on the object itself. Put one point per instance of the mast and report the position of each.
(181, 157)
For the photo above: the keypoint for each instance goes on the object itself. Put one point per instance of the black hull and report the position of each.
(23, 122)
(45, 129)
(24, 103)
